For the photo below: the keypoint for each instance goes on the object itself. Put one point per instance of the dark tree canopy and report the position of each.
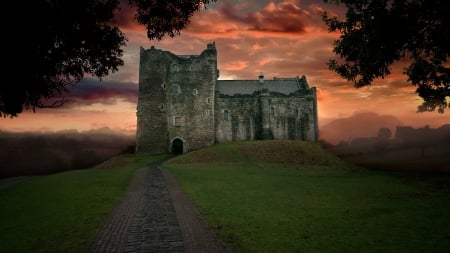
(377, 33)
(68, 39)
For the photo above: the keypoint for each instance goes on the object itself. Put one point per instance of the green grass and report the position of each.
(63, 212)
(291, 196)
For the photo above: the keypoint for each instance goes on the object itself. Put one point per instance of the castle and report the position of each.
(182, 105)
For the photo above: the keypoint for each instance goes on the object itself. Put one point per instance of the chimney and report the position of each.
(261, 78)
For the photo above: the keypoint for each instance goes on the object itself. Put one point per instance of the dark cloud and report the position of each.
(285, 17)
(90, 91)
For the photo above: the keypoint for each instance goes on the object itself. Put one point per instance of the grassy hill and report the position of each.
(293, 196)
(298, 155)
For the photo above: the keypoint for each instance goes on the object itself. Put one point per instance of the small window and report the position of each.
(225, 115)
(207, 112)
(272, 110)
(195, 92)
(208, 100)
(174, 67)
(164, 86)
(178, 121)
(176, 89)
(162, 107)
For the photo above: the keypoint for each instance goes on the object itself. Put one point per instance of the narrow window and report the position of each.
(225, 115)
(175, 89)
(174, 67)
(195, 92)
(164, 86)
(272, 111)
(208, 100)
(207, 112)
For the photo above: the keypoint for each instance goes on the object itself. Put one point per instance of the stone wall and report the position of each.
(265, 115)
(237, 118)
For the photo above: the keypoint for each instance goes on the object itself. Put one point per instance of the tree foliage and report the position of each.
(68, 39)
(377, 33)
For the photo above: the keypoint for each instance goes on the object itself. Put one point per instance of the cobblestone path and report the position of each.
(155, 227)
(156, 217)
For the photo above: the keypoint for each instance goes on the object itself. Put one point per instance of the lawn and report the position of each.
(63, 212)
(292, 196)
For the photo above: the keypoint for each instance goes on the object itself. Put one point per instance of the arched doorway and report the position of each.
(177, 146)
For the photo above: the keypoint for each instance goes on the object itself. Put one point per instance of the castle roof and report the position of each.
(247, 87)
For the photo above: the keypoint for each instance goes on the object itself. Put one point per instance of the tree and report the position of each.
(377, 33)
(68, 39)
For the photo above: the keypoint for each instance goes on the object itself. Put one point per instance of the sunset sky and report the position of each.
(278, 38)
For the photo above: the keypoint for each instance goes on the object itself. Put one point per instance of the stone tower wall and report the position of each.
(191, 111)
(151, 134)
(176, 100)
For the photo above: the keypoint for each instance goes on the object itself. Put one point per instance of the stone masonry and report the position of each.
(183, 106)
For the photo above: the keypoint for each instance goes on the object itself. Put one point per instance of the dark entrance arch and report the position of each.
(177, 146)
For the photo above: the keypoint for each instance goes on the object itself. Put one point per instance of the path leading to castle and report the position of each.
(156, 216)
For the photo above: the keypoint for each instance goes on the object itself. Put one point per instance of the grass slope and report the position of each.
(292, 196)
(62, 212)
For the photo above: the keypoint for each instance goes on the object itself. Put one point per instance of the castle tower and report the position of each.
(175, 110)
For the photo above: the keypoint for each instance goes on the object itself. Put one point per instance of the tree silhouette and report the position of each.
(68, 39)
(376, 33)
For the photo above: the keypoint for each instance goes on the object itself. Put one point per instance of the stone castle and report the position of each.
(182, 105)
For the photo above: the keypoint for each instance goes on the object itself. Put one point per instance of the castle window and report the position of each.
(176, 89)
(272, 111)
(162, 107)
(164, 86)
(178, 121)
(207, 112)
(174, 68)
(195, 92)
(225, 115)
(208, 100)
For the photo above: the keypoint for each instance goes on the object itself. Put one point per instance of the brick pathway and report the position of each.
(155, 227)
(148, 218)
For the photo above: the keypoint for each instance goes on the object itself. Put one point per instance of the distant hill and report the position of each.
(358, 125)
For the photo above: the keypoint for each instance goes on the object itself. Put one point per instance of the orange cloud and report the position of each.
(237, 65)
